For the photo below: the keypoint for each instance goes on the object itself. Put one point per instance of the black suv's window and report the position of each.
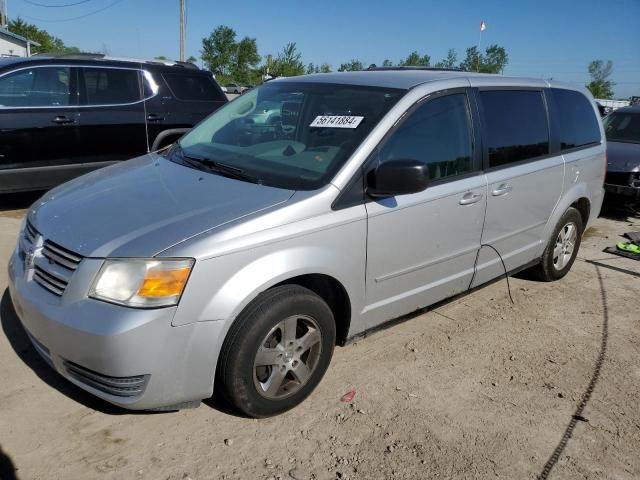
(193, 87)
(515, 125)
(36, 87)
(437, 133)
(110, 86)
(577, 122)
(622, 127)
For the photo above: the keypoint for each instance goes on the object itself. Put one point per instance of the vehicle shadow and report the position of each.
(22, 346)
(18, 201)
(7, 468)
(622, 210)
(586, 396)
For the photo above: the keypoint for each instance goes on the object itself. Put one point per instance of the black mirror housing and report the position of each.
(398, 177)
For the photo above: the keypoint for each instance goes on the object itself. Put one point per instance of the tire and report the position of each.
(266, 367)
(562, 249)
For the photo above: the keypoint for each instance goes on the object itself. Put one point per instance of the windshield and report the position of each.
(289, 135)
(622, 127)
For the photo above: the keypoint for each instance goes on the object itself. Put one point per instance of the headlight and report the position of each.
(142, 283)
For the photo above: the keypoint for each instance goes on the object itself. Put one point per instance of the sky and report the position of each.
(543, 38)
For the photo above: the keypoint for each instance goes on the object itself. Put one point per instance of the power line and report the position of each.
(30, 2)
(78, 17)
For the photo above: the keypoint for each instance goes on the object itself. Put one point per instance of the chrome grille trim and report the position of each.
(30, 233)
(61, 255)
(54, 284)
(54, 264)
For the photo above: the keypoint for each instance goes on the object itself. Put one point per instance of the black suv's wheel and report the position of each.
(276, 352)
(562, 249)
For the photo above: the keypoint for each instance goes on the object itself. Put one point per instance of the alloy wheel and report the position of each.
(565, 245)
(287, 357)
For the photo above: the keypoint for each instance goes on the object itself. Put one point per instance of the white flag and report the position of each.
(483, 26)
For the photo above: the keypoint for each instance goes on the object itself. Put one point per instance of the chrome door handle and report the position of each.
(502, 190)
(470, 198)
(154, 117)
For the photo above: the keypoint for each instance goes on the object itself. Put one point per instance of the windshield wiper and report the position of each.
(218, 167)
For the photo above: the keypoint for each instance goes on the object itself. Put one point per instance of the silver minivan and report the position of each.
(300, 216)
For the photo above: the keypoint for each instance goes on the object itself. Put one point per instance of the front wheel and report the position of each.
(276, 352)
(563, 246)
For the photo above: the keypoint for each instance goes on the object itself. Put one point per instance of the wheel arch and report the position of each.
(333, 293)
(579, 198)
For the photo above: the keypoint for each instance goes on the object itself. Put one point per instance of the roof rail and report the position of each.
(373, 67)
(102, 56)
(71, 56)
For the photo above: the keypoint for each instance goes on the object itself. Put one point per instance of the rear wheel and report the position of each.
(276, 352)
(562, 249)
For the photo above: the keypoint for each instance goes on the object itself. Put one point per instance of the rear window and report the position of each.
(193, 87)
(110, 86)
(515, 124)
(577, 122)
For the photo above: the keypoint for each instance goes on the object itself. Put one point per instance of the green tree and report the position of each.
(218, 50)
(450, 61)
(192, 59)
(161, 57)
(387, 63)
(600, 85)
(416, 60)
(288, 63)
(352, 66)
(324, 68)
(244, 60)
(48, 43)
(494, 60)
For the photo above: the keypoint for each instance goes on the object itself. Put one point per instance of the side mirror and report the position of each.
(398, 177)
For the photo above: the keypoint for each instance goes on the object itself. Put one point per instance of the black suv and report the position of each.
(62, 116)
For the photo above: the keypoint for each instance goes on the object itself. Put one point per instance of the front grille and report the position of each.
(120, 386)
(55, 285)
(60, 255)
(30, 232)
(53, 264)
(619, 178)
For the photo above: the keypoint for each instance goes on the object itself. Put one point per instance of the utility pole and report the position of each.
(182, 31)
(4, 21)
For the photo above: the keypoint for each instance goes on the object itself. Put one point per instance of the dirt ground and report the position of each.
(548, 387)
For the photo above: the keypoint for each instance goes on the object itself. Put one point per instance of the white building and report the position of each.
(13, 45)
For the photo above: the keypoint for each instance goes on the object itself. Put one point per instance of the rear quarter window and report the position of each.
(193, 87)
(577, 124)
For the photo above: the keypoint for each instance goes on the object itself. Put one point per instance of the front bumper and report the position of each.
(627, 191)
(132, 358)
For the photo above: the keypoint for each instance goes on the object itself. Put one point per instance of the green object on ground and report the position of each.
(629, 247)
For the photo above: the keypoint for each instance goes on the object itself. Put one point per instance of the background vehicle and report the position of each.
(235, 88)
(374, 194)
(62, 116)
(622, 128)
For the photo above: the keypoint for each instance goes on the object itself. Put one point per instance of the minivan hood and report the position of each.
(623, 157)
(143, 206)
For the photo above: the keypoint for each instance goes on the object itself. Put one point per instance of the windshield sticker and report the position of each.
(336, 121)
